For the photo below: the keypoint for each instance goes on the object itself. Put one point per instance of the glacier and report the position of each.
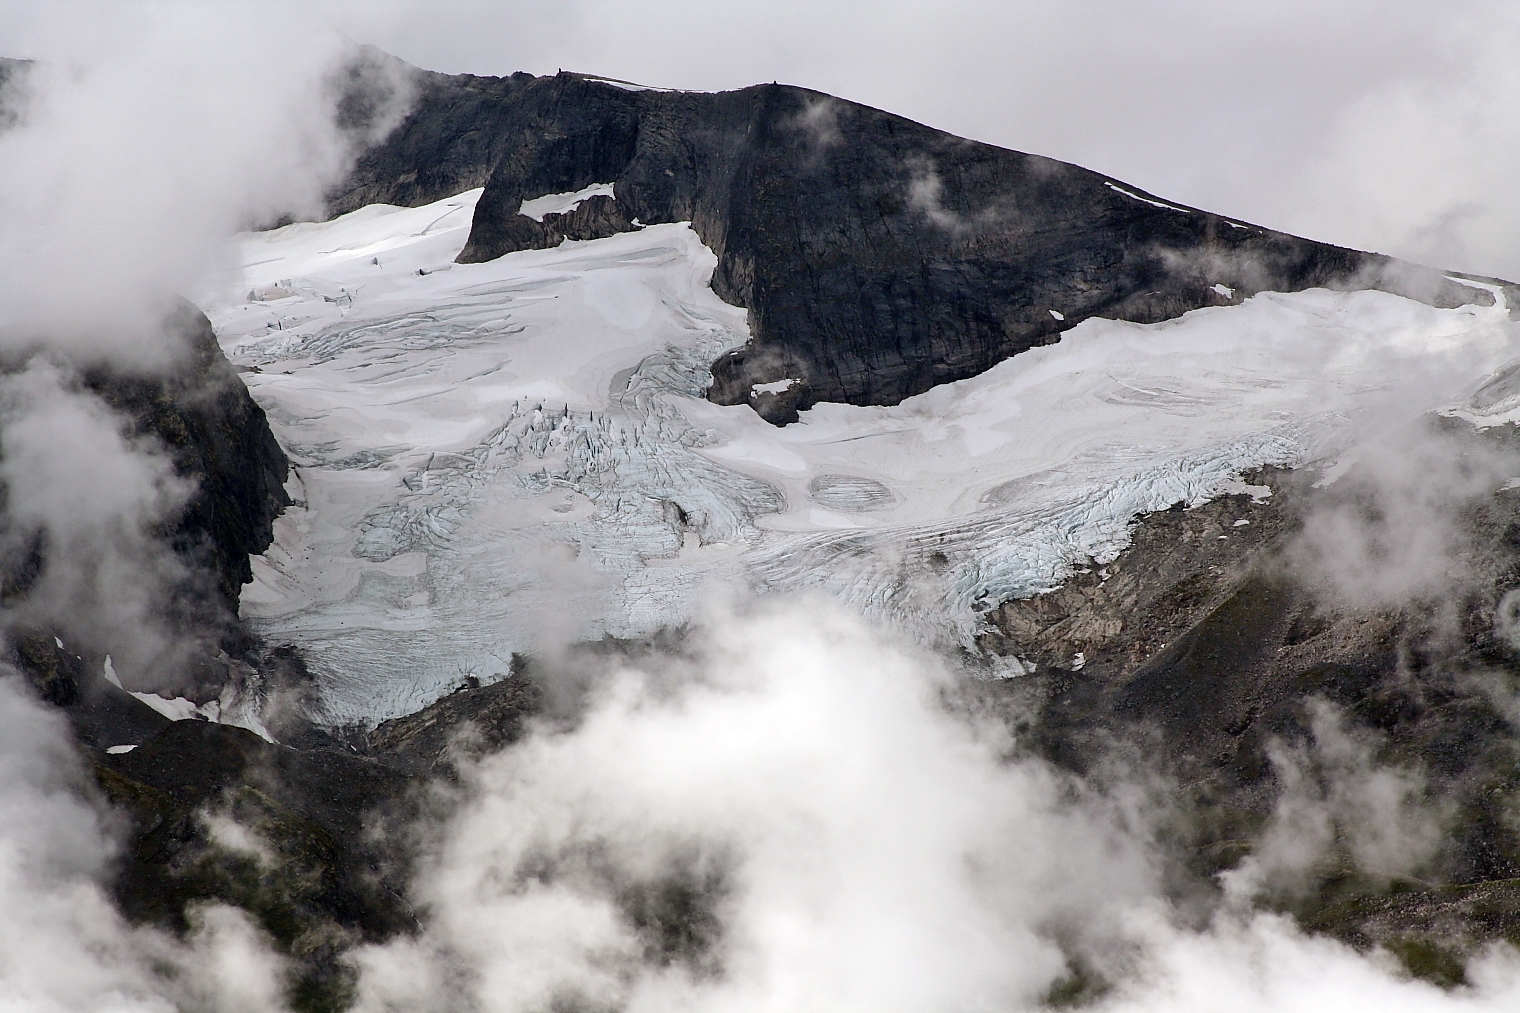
(501, 457)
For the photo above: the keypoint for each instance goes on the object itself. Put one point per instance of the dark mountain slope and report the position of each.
(11, 68)
(201, 415)
(456, 133)
(1210, 650)
(314, 881)
(878, 257)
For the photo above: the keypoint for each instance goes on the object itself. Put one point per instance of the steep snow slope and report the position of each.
(492, 457)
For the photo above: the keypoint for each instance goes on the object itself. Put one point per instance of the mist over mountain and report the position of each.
(634, 548)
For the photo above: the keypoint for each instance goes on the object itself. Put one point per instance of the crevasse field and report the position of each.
(493, 458)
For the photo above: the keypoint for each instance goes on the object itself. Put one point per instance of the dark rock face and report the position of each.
(201, 415)
(12, 73)
(331, 822)
(314, 882)
(455, 134)
(878, 257)
(323, 872)
(595, 218)
(472, 720)
(218, 437)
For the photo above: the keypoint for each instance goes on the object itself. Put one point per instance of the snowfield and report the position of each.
(492, 458)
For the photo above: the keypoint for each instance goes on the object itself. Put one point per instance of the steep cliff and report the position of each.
(218, 438)
(200, 415)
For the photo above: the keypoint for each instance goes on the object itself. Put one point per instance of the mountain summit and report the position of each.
(877, 257)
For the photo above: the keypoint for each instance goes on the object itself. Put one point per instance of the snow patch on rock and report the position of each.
(1145, 200)
(775, 386)
(562, 203)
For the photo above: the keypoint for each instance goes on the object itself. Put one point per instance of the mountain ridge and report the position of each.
(877, 257)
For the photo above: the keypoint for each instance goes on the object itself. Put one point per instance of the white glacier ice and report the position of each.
(232, 707)
(496, 457)
(634, 86)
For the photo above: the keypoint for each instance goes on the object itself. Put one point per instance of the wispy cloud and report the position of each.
(145, 137)
(792, 817)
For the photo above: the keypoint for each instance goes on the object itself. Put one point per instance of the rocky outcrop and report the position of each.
(594, 218)
(1208, 648)
(11, 74)
(302, 865)
(877, 257)
(202, 414)
(457, 131)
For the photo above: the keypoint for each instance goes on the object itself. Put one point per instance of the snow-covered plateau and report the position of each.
(492, 458)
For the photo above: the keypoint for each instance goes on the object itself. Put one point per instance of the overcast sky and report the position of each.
(1384, 125)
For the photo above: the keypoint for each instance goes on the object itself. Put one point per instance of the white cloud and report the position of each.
(1392, 530)
(860, 847)
(148, 134)
(1332, 787)
(848, 843)
(95, 499)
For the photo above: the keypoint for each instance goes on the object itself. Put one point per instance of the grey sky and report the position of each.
(1388, 125)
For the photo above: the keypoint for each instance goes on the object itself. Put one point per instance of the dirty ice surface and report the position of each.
(494, 457)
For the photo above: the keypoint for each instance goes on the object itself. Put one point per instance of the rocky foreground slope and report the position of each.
(197, 414)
